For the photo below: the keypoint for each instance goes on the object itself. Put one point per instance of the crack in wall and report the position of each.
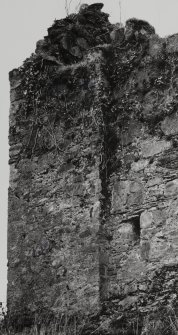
(107, 153)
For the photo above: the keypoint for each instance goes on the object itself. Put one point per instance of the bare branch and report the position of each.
(78, 6)
(67, 6)
(120, 7)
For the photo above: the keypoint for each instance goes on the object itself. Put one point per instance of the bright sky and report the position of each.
(22, 24)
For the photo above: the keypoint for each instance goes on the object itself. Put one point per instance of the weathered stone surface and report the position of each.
(172, 44)
(170, 125)
(156, 46)
(93, 192)
(171, 188)
(146, 219)
(140, 165)
(152, 147)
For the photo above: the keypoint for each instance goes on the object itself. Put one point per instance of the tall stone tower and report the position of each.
(93, 193)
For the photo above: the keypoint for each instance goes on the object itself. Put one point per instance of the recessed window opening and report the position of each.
(136, 228)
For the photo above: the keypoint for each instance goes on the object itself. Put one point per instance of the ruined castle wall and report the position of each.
(54, 191)
(93, 182)
(143, 253)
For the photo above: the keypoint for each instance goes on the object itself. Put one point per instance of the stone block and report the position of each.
(154, 181)
(119, 195)
(154, 146)
(170, 125)
(14, 174)
(136, 194)
(171, 188)
(126, 232)
(146, 220)
(140, 165)
(145, 250)
(128, 302)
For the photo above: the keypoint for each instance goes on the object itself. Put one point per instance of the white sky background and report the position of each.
(22, 24)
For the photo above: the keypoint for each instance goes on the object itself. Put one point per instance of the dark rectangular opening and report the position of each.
(136, 227)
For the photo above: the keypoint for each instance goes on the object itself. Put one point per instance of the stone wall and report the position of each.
(93, 190)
